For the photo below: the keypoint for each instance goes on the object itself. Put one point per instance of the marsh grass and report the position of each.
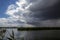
(2, 33)
(12, 37)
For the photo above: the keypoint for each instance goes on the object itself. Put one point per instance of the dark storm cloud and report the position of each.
(44, 10)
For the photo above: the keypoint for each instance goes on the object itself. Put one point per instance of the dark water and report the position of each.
(43, 35)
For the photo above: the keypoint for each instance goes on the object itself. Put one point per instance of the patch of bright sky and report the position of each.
(3, 7)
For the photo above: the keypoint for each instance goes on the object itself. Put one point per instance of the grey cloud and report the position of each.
(43, 10)
(42, 4)
(32, 1)
(46, 11)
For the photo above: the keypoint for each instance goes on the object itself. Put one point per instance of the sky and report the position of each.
(29, 13)
(3, 6)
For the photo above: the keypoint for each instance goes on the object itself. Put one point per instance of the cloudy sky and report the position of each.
(29, 12)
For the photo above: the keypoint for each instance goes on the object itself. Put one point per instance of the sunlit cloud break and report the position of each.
(15, 12)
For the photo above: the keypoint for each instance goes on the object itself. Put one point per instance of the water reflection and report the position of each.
(17, 34)
(32, 35)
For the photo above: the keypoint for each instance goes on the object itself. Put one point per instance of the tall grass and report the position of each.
(2, 33)
(13, 37)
